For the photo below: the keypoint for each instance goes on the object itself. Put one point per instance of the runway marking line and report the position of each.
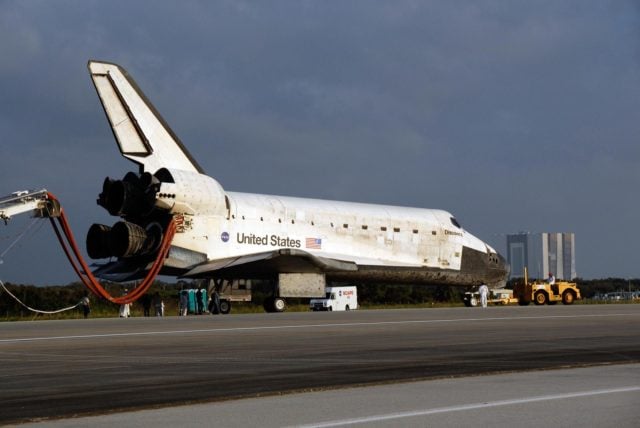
(465, 407)
(298, 326)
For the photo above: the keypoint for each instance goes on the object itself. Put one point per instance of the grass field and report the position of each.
(242, 308)
(172, 310)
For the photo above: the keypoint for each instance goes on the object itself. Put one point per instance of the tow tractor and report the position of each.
(540, 292)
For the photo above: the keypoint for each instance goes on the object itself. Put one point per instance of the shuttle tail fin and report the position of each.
(141, 133)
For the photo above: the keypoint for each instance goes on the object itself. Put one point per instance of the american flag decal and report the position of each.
(313, 243)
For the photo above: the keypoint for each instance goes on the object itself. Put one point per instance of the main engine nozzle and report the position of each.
(124, 239)
(98, 241)
(131, 196)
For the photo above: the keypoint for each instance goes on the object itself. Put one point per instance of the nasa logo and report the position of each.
(224, 236)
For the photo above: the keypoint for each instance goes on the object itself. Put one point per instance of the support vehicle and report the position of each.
(541, 292)
(497, 296)
(336, 299)
(227, 291)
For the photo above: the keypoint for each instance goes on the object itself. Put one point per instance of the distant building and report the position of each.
(542, 253)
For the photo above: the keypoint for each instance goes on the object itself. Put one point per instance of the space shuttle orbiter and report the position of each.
(299, 243)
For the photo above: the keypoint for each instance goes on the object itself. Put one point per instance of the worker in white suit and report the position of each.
(125, 311)
(484, 291)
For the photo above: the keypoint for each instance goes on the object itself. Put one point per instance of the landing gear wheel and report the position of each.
(275, 304)
(473, 301)
(279, 304)
(540, 298)
(225, 307)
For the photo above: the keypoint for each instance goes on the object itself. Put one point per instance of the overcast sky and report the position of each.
(512, 115)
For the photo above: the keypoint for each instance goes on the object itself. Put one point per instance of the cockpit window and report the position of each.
(455, 222)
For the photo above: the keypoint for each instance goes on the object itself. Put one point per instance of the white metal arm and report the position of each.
(24, 201)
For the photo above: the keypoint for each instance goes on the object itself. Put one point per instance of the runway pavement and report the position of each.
(62, 368)
(602, 396)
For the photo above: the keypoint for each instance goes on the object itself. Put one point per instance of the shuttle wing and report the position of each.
(141, 133)
(267, 263)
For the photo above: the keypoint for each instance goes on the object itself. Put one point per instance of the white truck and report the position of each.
(336, 299)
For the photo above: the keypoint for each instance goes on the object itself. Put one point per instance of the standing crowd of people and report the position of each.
(124, 311)
(197, 306)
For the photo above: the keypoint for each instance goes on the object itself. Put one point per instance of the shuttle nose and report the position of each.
(501, 269)
(504, 266)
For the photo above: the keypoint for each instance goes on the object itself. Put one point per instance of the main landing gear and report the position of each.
(275, 304)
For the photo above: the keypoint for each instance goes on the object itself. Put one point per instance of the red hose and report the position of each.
(86, 276)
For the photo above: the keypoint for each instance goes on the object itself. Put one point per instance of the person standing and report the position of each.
(124, 308)
(146, 304)
(200, 300)
(84, 302)
(214, 305)
(125, 312)
(158, 304)
(484, 291)
(184, 303)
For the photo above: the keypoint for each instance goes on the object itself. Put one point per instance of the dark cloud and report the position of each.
(513, 115)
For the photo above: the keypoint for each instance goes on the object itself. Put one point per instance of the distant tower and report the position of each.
(542, 253)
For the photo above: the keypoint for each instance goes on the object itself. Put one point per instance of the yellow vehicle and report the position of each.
(543, 292)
